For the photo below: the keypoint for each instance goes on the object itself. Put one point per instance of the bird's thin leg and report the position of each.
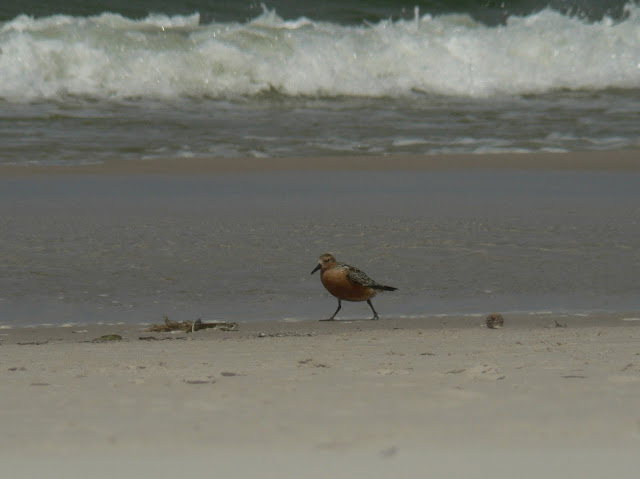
(334, 314)
(375, 314)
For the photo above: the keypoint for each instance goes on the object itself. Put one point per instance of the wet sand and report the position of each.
(543, 395)
(236, 239)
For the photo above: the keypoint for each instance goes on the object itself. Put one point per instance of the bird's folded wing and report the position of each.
(358, 277)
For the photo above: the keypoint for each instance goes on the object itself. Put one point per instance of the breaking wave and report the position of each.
(163, 57)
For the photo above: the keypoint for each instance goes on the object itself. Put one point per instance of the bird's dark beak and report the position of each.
(316, 268)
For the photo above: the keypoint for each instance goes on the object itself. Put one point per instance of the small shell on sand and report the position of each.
(495, 320)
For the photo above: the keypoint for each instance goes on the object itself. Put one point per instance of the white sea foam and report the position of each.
(109, 56)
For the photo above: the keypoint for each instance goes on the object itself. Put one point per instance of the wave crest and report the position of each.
(161, 57)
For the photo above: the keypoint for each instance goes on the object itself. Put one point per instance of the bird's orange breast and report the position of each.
(336, 282)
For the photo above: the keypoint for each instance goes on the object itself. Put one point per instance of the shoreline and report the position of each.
(83, 332)
(617, 160)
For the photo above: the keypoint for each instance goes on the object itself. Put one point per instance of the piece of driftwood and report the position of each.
(33, 343)
(190, 326)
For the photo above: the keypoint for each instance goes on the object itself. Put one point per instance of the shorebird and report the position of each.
(347, 283)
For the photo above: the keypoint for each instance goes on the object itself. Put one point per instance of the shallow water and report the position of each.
(46, 133)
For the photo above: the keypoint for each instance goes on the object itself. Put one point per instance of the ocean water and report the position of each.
(87, 82)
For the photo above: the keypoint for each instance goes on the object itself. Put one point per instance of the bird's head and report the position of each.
(325, 261)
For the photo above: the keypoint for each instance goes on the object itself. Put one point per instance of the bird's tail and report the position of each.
(387, 288)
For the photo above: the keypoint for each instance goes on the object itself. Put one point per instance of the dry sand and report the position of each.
(422, 397)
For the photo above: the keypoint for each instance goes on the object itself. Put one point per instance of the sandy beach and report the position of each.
(422, 398)
(553, 393)
(194, 160)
